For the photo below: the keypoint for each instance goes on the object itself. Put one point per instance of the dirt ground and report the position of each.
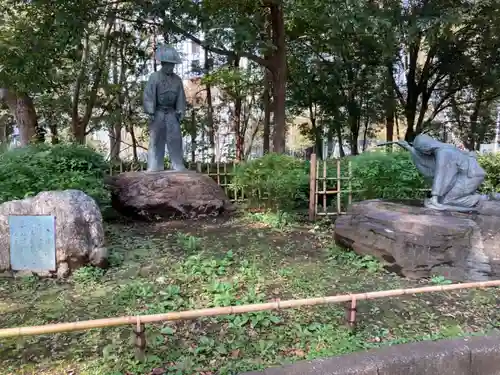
(176, 266)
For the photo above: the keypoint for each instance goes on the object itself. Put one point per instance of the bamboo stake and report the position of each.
(339, 194)
(325, 174)
(218, 173)
(312, 188)
(349, 169)
(225, 179)
(216, 311)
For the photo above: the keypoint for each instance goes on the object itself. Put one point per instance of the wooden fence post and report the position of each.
(312, 188)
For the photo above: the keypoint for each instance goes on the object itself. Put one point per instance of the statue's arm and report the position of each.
(405, 145)
(180, 105)
(149, 98)
(446, 169)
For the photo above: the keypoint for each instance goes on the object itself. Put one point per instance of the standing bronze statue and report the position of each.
(456, 175)
(165, 104)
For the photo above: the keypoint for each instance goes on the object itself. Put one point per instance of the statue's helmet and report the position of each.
(165, 53)
(426, 144)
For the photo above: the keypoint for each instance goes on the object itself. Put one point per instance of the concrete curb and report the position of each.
(465, 356)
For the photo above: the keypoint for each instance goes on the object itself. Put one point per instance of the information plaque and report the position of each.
(32, 243)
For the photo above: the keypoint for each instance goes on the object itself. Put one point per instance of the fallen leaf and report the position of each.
(158, 371)
(299, 353)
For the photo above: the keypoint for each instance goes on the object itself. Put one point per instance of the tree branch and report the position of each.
(395, 86)
(105, 108)
(220, 51)
(440, 107)
(100, 66)
(426, 70)
(186, 34)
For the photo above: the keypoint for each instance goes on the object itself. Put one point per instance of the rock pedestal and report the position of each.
(79, 230)
(418, 242)
(167, 195)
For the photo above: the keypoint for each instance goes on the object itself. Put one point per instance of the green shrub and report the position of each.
(385, 175)
(27, 171)
(491, 165)
(282, 180)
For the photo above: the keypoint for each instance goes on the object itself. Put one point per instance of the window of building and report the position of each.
(195, 48)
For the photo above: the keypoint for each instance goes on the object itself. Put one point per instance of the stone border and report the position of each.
(465, 356)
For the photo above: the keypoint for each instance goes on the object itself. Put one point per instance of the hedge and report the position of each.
(29, 170)
(284, 180)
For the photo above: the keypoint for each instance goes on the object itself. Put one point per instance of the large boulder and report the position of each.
(418, 242)
(167, 195)
(78, 229)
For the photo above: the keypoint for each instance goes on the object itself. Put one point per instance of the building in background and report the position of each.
(193, 57)
(489, 148)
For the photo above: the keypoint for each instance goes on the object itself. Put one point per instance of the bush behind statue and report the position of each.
(394, 176)
(386, 176)
(491, 164)
(27, 171)
(284, 180)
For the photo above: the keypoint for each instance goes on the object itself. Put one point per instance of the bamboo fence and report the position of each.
(321, 187)
(139, 321)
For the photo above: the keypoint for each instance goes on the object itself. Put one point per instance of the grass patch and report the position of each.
(189, 265)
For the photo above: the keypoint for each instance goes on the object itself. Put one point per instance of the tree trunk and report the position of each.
(279, 72)
(115, 141)
(134, 143)
(193, 135)
(389, 126)
(22, 108)
(266, 99)
(353, 112)
(100, 68)
(210, 111)
(473, 120)
(329, 139)
(317, 132)
(237, 128)
(267, 86)
(396, 121)
(77, 133)
(340, 140)
(4, 122)
(119, 80)
(318, 139)
(365, 134)
(54, 133)
(338, 130)
(79, 123)
(389, 109)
